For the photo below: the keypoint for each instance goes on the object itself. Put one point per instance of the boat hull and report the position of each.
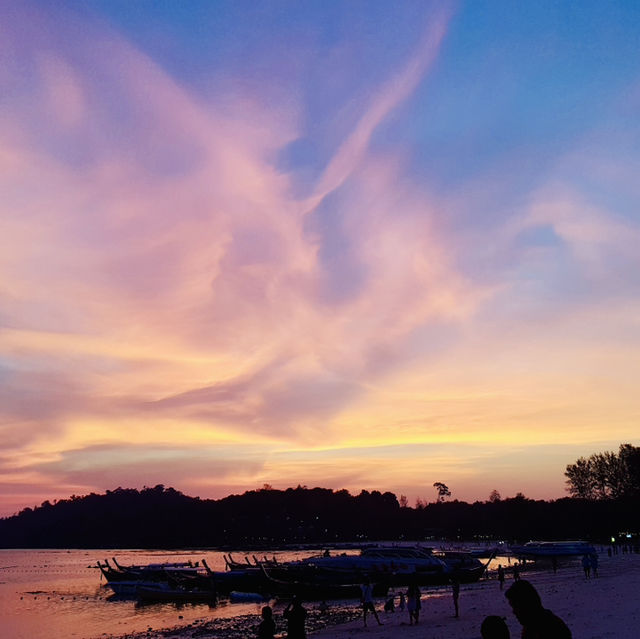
(148, 594)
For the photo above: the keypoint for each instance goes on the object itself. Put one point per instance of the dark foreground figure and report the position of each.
(267, 627)
(537, 622)
(295, 614)
(494, 627)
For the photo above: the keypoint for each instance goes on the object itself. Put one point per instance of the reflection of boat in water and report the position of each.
(534, 549)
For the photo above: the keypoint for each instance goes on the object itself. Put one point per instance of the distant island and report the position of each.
(162, 517)
(604, 505)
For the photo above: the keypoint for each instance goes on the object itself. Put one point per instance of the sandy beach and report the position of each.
(598, 608)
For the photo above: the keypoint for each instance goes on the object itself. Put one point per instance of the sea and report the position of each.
(56, 594)
(61, 594)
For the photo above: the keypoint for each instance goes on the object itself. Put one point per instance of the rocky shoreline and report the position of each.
(244, 626)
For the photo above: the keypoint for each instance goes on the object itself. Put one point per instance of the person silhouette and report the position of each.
(537, 622)
(413, 603)
(295, 614)
(367, 602)
(494, 627)
(501, 576)
(267, 627)
(455, 591)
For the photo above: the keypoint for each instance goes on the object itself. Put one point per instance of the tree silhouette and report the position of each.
(443, 491)
(606, 475)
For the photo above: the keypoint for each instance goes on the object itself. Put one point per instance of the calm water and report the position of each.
(60, 594)
(56, 594)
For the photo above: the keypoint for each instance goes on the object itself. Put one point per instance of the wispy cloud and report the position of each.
(164, 286)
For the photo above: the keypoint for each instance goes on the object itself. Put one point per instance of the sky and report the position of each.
(364, 245)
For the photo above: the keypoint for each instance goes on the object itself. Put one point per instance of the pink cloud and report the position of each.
(175, 231)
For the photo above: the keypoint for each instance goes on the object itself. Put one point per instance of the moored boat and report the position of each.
(246, 578)
(158, 593)
(318, 589)
(127, 581)
(145, 572)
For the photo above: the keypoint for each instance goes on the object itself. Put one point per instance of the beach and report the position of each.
(598, 608)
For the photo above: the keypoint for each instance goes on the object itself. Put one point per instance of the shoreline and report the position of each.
(596, 608)
(244, 626)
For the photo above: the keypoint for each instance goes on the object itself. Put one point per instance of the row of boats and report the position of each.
(318, 577)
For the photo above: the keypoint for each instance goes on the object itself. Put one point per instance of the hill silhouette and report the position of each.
(162, 517)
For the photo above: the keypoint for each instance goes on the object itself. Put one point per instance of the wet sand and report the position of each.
(599, 608)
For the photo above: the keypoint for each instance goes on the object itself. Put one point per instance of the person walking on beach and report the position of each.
(586, 566)
(295, 614)
(501, 576)
(455, 591)
(537, 622)
(593, 562)
(413, 603)
(494, 627)
(267, 627)
(367, 602)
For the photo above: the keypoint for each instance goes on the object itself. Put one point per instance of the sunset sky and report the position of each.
(363, 245)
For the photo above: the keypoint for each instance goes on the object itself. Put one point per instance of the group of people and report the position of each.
(537, 622)
(295, 614)
(590, 565)
(410, 600)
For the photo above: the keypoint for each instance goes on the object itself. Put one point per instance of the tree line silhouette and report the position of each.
(604, 489)
(606, 475)
(162, 517)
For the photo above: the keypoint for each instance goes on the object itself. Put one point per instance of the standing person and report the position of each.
(402, 602)
(295, 614)
(494, 627)
(554, 564)
(501, 576)
(367, 602)
(413, 603)
(455, 591)
(537, 622)
(267, 627)
(516, 572)
(593, 562)
(586, 566)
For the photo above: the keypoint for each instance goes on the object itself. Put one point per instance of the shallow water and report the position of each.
(51, 594)
(56, 594)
